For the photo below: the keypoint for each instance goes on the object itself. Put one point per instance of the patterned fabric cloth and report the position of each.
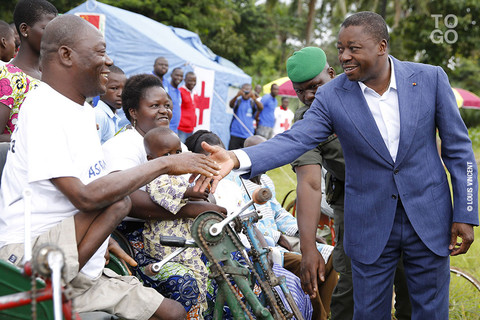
(294, 286)
(167, 191)
(275, 219)
(14, 86)
(174, 281)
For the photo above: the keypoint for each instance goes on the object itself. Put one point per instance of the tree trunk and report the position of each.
(299, 8)
(383, 9)
(310, 20)
(343, 7)
(398, 13)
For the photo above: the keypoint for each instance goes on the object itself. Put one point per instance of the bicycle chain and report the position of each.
(33, 298)
(274, 301)
(220, 269)
(273, 297)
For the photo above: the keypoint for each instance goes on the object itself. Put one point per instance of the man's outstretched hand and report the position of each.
(225, 159)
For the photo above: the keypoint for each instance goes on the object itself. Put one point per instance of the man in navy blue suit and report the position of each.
(397, 198)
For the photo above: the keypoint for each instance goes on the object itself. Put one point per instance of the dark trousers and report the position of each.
(235, 143)
(342, 304)
(427, 277)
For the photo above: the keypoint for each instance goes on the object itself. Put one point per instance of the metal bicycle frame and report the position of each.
(222, 250)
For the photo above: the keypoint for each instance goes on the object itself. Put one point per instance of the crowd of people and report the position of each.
(122, 166)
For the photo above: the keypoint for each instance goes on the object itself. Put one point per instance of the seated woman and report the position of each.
(147, 106)
(172, 193)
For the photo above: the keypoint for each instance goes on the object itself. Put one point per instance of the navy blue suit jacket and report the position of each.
(374, 182)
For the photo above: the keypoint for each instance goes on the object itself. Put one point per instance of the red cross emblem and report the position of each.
(285, 125)
(201, 103)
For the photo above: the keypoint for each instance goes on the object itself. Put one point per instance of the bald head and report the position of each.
(161, 141)
(253, 141)
(65, 30)
(74, 58)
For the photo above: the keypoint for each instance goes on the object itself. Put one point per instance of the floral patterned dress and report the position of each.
(167, 191)
(14, 86)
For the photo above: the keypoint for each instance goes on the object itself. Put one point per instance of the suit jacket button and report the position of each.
(396, 171)
(394, 196)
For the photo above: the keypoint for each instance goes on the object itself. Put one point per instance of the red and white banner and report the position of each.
(97, 19)
(203, 96)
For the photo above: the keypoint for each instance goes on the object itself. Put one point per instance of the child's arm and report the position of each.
(197, 207)
(168, 191)
(196, 195)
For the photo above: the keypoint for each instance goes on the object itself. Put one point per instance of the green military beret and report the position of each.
(306, 64)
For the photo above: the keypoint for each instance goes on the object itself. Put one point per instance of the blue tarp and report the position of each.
(134, 41)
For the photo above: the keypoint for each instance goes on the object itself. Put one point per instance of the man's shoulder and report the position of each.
(102, 109)
(414, 66)
(169, 87)
(338, 82)
(184, 93)
(267, 97)
(45, 96)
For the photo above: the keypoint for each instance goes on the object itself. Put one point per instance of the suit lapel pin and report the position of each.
(414, 84)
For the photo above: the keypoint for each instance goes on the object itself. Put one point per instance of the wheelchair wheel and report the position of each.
(123, 242)
(117, 265)
(464, 302)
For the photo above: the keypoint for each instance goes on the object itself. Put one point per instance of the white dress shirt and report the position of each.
(385, 111)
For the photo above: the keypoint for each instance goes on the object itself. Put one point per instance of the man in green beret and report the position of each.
(308, 70)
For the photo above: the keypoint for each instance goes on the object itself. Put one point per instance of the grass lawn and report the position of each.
(285, 180)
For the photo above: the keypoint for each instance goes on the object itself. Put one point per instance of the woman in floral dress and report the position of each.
(22, 74)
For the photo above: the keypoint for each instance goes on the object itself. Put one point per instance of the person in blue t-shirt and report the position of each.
(267, 115)
(174, 91)
(106, 110)
(245, 107)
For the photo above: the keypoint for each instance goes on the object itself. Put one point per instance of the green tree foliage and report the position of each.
(260, 35)
(6, 11)
(421, 37)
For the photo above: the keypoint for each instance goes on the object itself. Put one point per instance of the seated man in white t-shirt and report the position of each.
(75, 204)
